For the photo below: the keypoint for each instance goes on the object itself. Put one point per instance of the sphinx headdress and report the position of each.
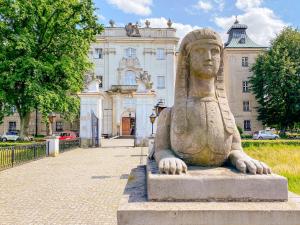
(183, 75)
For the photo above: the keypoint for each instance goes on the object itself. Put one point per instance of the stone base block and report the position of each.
(135, 209)
(141, 142)
(214, 184)
(87, 143)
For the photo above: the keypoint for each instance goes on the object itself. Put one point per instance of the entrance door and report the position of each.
(126, 128)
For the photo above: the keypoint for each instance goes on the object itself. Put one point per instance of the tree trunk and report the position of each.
(49, 128)
(24, 125)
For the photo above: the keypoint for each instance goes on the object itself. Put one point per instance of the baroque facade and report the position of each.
(136, 69)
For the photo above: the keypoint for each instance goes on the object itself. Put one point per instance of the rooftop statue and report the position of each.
(200, 128)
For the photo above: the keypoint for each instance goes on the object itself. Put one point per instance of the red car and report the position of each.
(67, 135)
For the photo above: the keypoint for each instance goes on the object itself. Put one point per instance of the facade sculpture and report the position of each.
(132, 30)
(200, 128)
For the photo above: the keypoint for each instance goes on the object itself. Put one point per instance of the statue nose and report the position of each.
(207, 55)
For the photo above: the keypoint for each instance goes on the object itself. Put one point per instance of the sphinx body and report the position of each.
(200, 128)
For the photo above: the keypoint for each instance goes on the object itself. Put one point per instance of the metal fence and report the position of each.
(11, 156)
(66, 145)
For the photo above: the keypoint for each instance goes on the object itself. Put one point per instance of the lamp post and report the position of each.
(51, 117)
(152, 119)
(159, 107)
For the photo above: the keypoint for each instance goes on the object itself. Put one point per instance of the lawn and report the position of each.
(284, 159)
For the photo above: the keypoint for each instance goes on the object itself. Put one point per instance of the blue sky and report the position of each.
(265, 18)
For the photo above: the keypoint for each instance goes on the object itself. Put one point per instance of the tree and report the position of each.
(276, 81)
(43, 54)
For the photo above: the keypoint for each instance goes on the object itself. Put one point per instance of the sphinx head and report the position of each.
(202, 49)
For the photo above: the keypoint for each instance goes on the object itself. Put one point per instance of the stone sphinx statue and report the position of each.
(200, 128)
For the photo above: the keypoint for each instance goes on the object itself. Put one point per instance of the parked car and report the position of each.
(67, 135)
(10, 136)
(264, 135)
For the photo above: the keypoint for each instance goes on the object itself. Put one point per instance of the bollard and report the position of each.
(53, 146)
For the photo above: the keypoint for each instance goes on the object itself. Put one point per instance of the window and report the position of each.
(130, 52)
(246, 106)
(101, 81)
(98, 54)
(244, 61)
(59, 126)
(245, 86)
(160, 54)
(242, 41)
(160, 82)
(129, 78)
(13, 109)
(247, 125)
(12, 126)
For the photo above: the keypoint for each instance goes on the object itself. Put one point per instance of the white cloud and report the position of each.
(138, 7)
(248, 4)
(181, 29)
(263, 24)
(206, 6)
(101, 17)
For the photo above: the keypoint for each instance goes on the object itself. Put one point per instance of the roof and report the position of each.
(238, 37)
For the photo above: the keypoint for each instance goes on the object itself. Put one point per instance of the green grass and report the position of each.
(15, 143)
(284, 159)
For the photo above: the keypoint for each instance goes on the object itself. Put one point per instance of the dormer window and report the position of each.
(130, 52)
(242, 41)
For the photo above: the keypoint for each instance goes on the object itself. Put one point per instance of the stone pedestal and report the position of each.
(136, 209)
(91, 115)
(144, 106)
(214, 184)
(53, 146)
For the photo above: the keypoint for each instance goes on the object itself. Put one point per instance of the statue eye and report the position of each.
(215, 51)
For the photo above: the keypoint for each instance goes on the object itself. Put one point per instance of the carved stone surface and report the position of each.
(134, 209)
(132, 30)
(222, 184)
(200, 128)
(144, 82)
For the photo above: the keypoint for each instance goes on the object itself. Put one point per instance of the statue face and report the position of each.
(205, 60)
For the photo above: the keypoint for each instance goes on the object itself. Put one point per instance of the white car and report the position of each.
(10, 136)
(264, 135)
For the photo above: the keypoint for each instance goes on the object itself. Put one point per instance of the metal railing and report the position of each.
(66, 145)
(11, 156)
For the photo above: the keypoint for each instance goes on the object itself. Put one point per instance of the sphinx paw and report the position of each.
(171, 165)
(252, 166)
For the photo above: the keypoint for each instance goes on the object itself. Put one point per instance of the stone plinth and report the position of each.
(135, 209)
(214, 184)
(53, 145)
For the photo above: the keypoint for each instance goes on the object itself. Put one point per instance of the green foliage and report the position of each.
(43, 54)
(276, 81)
(240, 130)
(246, 136)
(260, 143)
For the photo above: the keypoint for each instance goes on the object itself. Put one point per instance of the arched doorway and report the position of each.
(128, 124)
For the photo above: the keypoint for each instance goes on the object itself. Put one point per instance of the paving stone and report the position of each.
(82, 186)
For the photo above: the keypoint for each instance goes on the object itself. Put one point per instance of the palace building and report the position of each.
(240, 53)
(134, 70)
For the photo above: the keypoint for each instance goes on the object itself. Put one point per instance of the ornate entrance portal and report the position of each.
(128, 126)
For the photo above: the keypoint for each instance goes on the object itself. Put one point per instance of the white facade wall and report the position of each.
(113, 66)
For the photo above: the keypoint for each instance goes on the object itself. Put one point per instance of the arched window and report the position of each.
(129, 78)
